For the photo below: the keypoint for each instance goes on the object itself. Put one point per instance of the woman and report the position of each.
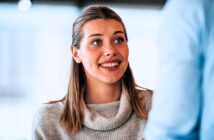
(103, 101)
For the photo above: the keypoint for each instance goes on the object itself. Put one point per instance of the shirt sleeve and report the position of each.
(176, 101)
(38, 130)
(46, 125)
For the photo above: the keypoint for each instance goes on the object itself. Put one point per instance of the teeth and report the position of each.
(110, 64)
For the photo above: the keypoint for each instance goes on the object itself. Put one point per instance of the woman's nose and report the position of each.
(110, 51)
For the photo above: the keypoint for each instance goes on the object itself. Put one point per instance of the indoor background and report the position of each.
(35, 39)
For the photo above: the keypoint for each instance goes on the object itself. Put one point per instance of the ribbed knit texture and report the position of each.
(111, 121)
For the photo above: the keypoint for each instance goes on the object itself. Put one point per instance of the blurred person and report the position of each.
(182, 106)
(103, 100)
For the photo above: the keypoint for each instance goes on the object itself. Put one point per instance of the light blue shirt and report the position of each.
(183, 103)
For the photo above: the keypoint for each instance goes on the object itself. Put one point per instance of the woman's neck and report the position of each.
(102, 93)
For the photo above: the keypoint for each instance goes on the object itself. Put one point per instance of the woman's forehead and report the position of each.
(102, 26)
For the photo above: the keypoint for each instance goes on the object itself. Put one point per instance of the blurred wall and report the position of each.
(35, 57)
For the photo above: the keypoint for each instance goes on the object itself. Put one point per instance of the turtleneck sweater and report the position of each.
(110, 121)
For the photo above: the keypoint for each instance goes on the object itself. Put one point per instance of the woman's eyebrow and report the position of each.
(117, 32)
(96, 34)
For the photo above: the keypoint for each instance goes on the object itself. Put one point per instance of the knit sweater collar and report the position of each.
(117, 114)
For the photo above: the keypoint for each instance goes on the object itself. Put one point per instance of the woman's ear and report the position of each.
(75, 54)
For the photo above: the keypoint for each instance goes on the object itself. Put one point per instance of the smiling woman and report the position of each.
(103, 53)
(103, 100)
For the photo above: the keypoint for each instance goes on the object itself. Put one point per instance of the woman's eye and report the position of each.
(119, 40)
(97, 42)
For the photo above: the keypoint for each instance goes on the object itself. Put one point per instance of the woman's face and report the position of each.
(103, 51)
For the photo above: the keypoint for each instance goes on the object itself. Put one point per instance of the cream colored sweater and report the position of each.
(111, 121)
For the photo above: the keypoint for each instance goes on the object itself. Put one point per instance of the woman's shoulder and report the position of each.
(49, 111)
(145, 97)
(47, 118)
(46, 122)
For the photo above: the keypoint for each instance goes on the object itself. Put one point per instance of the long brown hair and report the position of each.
(72, 115)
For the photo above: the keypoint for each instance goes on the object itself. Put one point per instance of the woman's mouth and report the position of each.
(110, 66)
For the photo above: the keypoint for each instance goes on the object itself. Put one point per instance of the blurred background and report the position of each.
(35, 38)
